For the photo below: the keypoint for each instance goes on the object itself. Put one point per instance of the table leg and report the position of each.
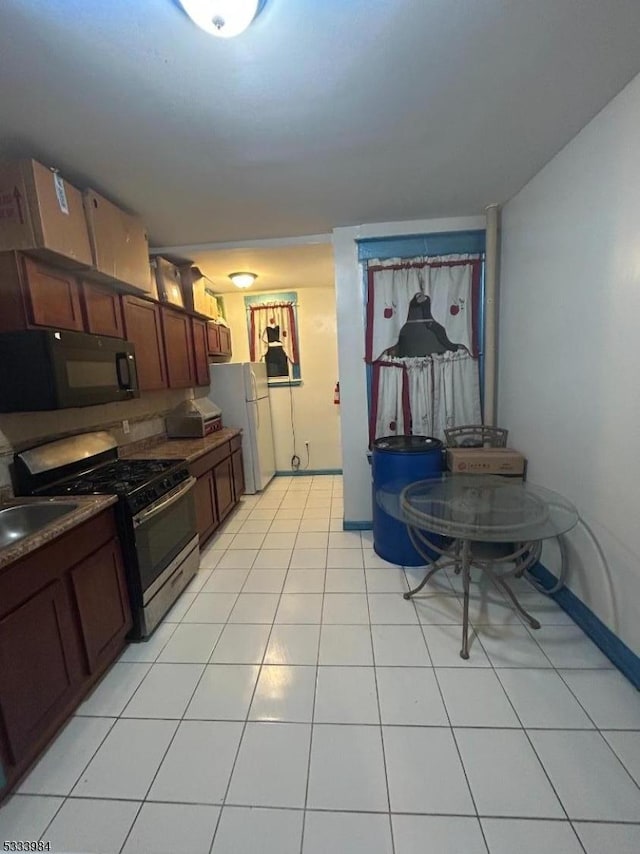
(430, 574)
(504, 586)
(466, 579)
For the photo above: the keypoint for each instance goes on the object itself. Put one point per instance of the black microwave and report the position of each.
(54, 369)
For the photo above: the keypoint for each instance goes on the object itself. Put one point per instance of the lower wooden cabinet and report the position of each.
(223, 482)
(37, 677)
(101, 596)
(206, 512)
(64, 615)
(219, 485)
(238, 473)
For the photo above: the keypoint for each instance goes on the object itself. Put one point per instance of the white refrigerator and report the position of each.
(241, 391)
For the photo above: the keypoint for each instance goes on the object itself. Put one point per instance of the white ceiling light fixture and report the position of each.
(222, 18)
(243, 280)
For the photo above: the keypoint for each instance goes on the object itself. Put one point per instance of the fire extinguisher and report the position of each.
(336, 394)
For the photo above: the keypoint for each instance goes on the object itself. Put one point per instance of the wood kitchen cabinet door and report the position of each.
(237, 469)
(53, 296)
(143, 326)
(200, 351)
(206, 512)
(223, 479)
(101, 595)
(36, 668)
(102, 309)
(225, 340)
(213, 338)
(178, 347)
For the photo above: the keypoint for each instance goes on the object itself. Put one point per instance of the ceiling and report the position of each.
(322, 114)
(278, 268)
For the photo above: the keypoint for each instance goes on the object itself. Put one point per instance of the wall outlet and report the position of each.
(125, 426)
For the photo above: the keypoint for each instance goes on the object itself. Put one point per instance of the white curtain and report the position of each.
(272, 315)
(449, 287)
(393, 291)
(389, 412)
(443, 391)
(450, 292)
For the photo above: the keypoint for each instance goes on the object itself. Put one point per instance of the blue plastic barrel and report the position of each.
(398, 461)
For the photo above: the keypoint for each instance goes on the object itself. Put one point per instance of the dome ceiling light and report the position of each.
(222, 18)
(243, 280)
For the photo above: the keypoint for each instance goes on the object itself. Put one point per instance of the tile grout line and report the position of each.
(246, 721)
(375, 679)
(313, 712)
(451, 729)
(529, 740)
(179, 723)
(67, 797)
(501, 817)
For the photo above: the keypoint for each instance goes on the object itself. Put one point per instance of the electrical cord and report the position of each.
(295, 459)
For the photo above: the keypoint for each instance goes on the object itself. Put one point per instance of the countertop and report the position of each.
(88, 506)
(181, 449)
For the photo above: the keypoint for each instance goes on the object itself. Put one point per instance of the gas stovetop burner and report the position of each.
(121, 477)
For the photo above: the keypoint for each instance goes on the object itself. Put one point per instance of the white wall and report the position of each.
(569, 352)
(350, 298)
(316, 417)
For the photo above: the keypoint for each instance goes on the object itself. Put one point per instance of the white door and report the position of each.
(264, 464)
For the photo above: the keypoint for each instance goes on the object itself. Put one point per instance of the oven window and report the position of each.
(162, 537)
(92, 374)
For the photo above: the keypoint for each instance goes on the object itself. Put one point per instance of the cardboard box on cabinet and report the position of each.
(42, 214)
(119, 243)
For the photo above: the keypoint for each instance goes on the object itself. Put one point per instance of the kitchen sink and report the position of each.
(22, 520)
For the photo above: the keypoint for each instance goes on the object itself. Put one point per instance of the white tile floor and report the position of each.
(293, 702)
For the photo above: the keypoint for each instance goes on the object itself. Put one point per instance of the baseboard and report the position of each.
(616, 650)
(357, 526)
(307, 472)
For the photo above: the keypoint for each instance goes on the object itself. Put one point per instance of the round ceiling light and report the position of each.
(223, 18)
(243, 280)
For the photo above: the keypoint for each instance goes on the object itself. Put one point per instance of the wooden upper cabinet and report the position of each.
(225, 340)
(200, 351)
(218, 340)
(52, 295)
(178, 346)
(102, 310)
(213, 338)
(143, 326)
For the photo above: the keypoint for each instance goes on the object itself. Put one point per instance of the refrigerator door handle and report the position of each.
(254, 386)
(255, 403)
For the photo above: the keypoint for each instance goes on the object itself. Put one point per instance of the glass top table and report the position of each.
(486, 520)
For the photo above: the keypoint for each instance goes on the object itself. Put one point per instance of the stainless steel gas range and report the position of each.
(156, 513)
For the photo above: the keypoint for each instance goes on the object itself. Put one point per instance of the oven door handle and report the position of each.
(175, 495)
